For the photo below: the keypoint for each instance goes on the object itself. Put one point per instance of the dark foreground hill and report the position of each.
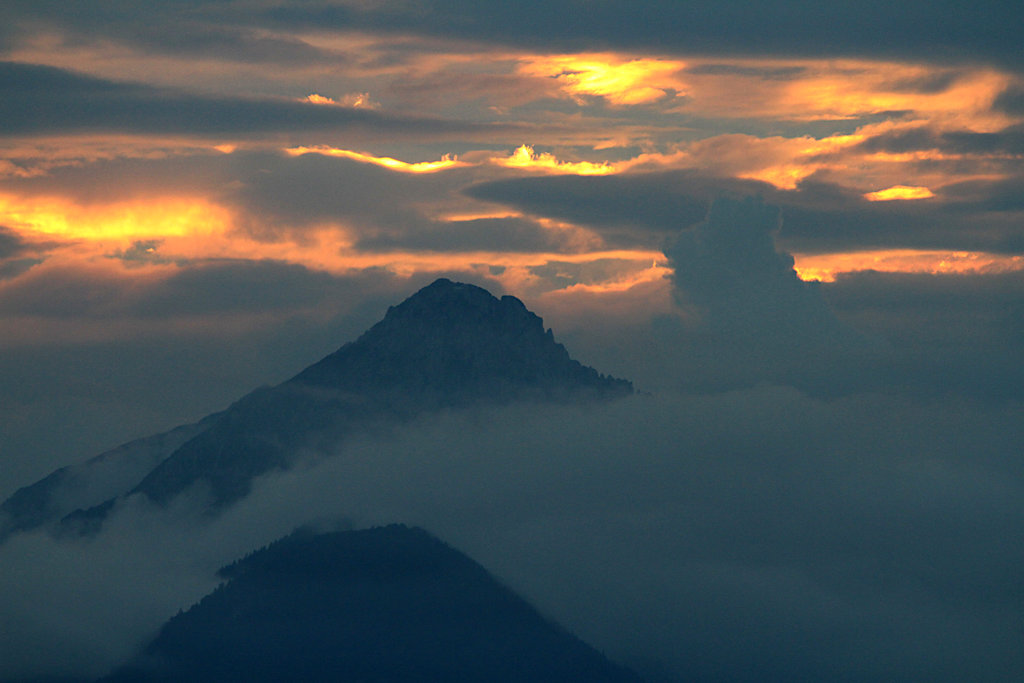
(449, 346)
(381, 605)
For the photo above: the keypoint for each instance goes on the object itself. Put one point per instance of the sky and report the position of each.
(807, 216)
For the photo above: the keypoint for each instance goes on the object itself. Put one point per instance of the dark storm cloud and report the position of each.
(1002, 196)
(177, 27)
(931, 31)
(42, 100)
(642, 209)
(1009, 140)
(629, 209)
(916, 30)
(749, 317)
(728, 267)
(822, 217)
(1011, 101)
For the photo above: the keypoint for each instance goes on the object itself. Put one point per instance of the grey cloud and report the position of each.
(482, 234)
(196, 39)
(1005, 195)
(1009, 140)
(920, 138)
(566, 274)
(821, 217)
(941, 32)
(40, 100)
(180, 27)
(1011, 100)
(918, 30)
(11, 244)
(643, 209)
(928, 85)
(628, 210)
(18, 255)
(749, 314)
(768, 73)
(314, 188)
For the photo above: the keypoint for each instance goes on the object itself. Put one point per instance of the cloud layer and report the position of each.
(756, 534)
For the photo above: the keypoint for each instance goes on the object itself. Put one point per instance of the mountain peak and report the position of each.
(447, 304)
(457, 341)
(449, 345)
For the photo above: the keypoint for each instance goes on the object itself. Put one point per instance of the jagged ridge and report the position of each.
(458, 341)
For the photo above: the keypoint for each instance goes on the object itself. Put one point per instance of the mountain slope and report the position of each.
(92, 482)
(450, 345)
(385, 604)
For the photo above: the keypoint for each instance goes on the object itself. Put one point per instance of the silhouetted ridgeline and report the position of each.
(385, 604)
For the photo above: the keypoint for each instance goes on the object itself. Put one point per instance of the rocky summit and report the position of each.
(452, 342)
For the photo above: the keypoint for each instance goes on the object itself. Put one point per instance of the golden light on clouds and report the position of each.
(825, 267)
(848, 89)
(618, 79)
(442, 164)
(141, 219)
(357, 100)
(524, 157)
(779, 161)
(898, 192)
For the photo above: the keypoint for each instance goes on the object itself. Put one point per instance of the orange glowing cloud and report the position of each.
(446, 162)
(619, 80)
(357, 100)
(813, 90)
(139, 219)
(825, 267)
(898, 192)
(851, 89)
(524, 157)
(782, 162)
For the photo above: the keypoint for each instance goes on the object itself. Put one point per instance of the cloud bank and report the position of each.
(753, 535)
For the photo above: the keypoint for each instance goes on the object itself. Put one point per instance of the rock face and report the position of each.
(450, 345)
(385, 604)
